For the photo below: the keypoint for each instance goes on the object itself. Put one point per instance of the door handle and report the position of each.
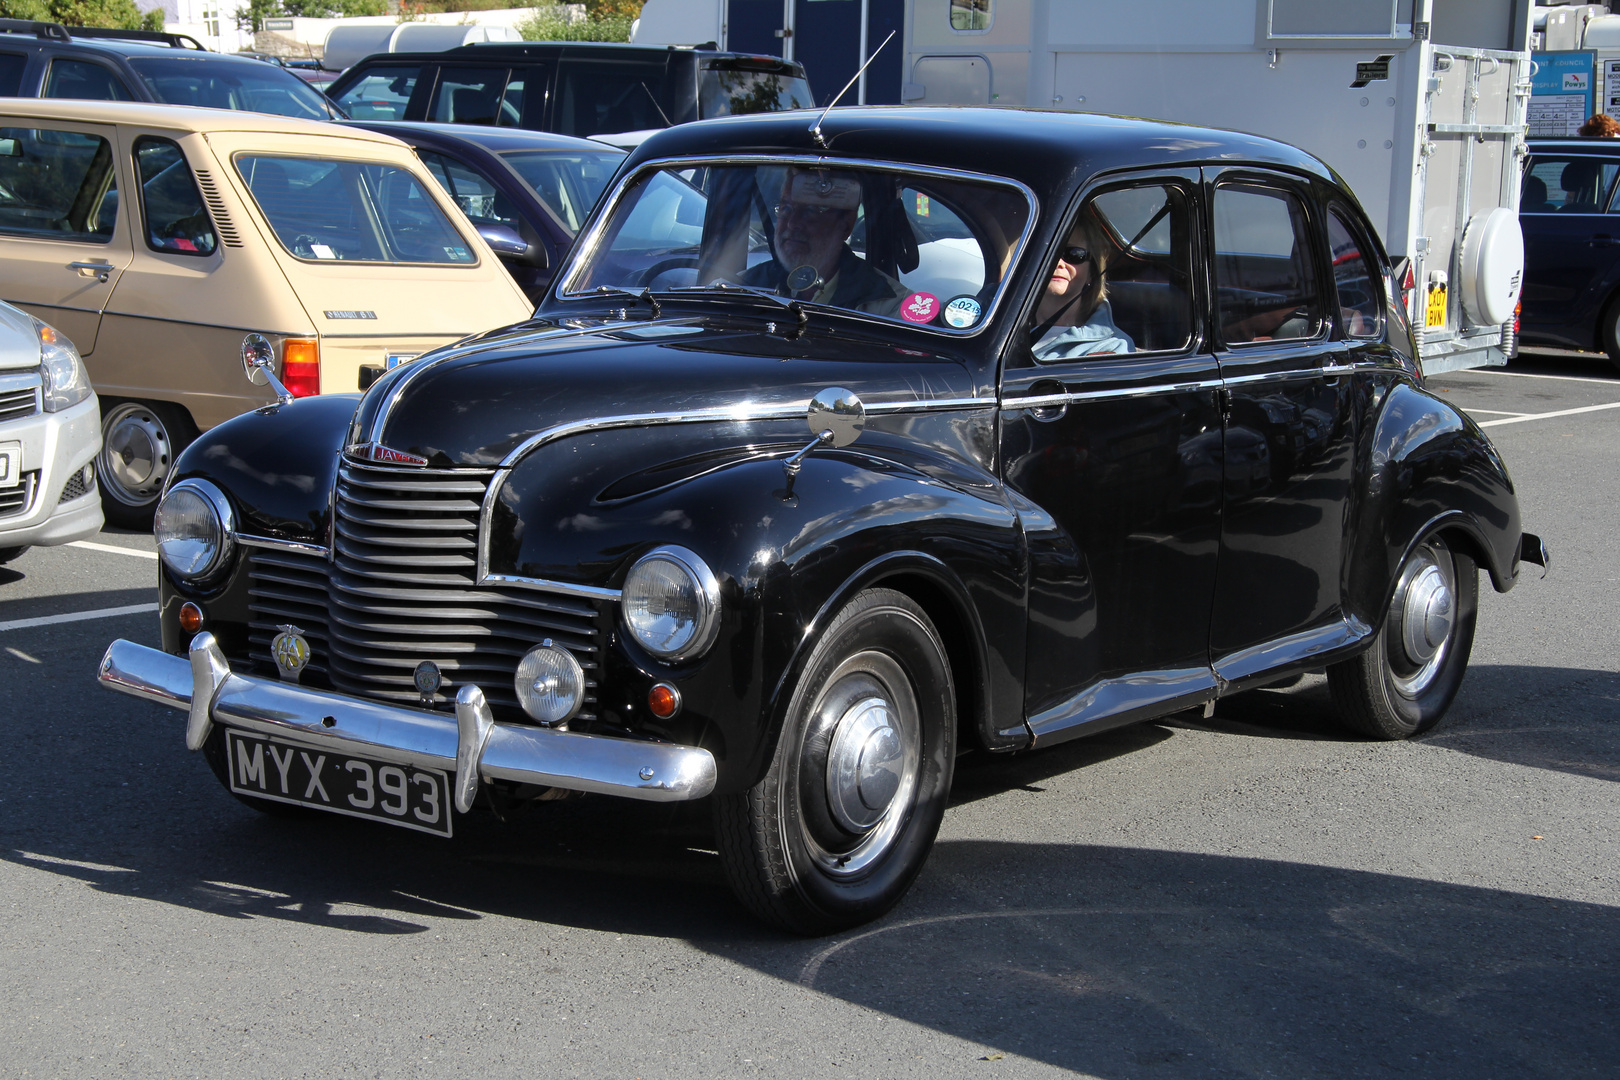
(1602, 240)
(1048, 402)
(102, 271)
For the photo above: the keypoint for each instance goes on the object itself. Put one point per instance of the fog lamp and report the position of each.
(550, 683)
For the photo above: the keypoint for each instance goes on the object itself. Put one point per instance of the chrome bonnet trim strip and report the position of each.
(295, 546)
(563, 588)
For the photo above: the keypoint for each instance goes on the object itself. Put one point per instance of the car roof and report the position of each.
(176, 117)
(1041, 148)
(1591, 144)
(494, 139)
(548, 48)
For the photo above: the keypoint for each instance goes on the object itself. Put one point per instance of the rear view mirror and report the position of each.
(10, 148)
(504, 241)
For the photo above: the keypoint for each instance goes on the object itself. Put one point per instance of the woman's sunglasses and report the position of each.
(1075, 255)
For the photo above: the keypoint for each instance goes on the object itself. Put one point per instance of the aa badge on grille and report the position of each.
(290, 649)
(429, 680)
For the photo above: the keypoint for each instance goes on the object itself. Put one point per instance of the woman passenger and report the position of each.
(1073, 317)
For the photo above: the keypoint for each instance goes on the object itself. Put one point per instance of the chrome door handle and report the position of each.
(102, 270)
(1602, 240)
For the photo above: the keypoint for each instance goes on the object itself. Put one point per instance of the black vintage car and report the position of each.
(838, 450)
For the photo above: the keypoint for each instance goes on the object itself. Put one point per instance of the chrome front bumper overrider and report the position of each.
(472, 747)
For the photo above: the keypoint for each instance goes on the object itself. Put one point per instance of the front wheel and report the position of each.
(844, 818)
(1611, 330)
(1404, 683)
(140, 441)
(7, 554)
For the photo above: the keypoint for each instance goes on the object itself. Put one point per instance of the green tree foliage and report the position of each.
(120, 14)
(609, 21)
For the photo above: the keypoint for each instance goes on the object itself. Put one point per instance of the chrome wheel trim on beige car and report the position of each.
(137, 452)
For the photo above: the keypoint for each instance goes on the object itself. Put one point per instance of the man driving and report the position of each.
(814, 217)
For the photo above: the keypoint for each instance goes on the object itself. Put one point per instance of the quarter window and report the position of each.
(78, 79)
(350, 211)
(1360, 306)
(1265, 287)
(596, 96)
(381, 93)
(57, 184)
(177, 222)
(11, 71)
(1568, 185)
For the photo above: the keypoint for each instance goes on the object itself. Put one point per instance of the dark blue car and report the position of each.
(527, 192)
(1570, 213)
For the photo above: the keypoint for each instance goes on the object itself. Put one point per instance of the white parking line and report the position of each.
(1529, 375)
(93, 546)
(1495, 412)
(1550, 415)
(77, 616)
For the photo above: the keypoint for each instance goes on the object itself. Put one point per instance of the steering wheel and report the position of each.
(664, 266)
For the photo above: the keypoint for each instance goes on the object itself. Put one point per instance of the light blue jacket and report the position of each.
(1097, 335)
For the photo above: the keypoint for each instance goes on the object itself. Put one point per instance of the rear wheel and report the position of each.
(1405, 682)
(140, 441)
(1611, 330)
(838, 829)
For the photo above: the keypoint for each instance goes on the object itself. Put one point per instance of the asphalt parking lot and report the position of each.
(1253, 895)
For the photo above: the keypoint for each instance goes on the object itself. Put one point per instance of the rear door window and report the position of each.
(82, 79)
(326, 210)
(609, 95)
(1266, 288)
(492, 96)
(479, 199)
(11, 73)
(60, 185)
(177, 222)
(1576, 184)
(382, 93)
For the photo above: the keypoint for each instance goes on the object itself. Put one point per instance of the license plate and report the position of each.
(10, 464)
(342, 783)
(395, 359)
(1436, 315)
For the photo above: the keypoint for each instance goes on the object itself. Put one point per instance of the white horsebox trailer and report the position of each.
(1418, 104)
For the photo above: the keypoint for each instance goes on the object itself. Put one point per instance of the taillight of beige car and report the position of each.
(159, 238)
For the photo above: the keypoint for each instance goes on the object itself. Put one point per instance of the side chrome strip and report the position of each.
(1047, 401)
(295, 546)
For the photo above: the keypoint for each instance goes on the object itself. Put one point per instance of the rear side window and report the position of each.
(11, 72)
(478, 198)
(489, 96)
(60, 185)
(1568, 185)
(1265, 287)
(1361, 307)
(177, 222)
(609, 95)
(381, 93)
(81, 79)
(348, 211)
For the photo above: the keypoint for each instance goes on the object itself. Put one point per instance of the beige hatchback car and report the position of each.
(164, 241)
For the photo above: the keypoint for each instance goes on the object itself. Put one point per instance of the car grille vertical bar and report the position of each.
(403, 589)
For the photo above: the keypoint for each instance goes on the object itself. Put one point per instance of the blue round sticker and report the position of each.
(962, 312)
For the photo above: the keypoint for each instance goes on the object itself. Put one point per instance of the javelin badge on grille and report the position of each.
(376, 451)
(290, 649)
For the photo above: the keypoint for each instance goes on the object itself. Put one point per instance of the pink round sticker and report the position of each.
(919, 307)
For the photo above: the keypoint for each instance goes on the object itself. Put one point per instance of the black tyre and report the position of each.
(1404, 683)
(1609, 329)
(140, 441)
(7, 554)
(838, 829)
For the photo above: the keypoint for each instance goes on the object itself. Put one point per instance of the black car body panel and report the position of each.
(1097, 540)
(1571, 244)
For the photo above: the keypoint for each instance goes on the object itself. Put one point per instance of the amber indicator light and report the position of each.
(663, 701)
(191, 617)
(301, 366)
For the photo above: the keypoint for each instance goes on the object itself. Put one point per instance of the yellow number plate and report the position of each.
(1437, 307)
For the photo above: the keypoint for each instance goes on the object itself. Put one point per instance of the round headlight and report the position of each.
(672, 604)
(550, 683)
(194, 529)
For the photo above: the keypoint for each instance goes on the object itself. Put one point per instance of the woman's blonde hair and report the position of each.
(1094, 238)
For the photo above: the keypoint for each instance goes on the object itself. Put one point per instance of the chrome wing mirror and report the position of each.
(258, 362)
(836, 417)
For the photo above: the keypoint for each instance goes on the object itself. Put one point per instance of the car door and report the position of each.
(1571, 243)
(1117, 459)
(1289, 423)
(64, 235)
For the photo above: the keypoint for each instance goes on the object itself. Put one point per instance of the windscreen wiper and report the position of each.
(728, 287)
(644, 296)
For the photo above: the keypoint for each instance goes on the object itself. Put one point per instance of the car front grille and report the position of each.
(401, 588)
(19, 403)
(17, 500)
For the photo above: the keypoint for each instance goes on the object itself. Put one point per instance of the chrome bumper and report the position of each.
(473, 746)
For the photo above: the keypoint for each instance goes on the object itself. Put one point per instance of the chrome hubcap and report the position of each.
(860, 764)
(1423, 615)
(135, 454)
(865, 765)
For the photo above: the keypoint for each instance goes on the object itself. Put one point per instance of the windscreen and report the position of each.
(911, 247)
(348, 211)
(567, 181)
(730, 91)
(226, 84)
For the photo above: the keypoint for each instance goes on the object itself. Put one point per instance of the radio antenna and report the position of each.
(815, 128)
